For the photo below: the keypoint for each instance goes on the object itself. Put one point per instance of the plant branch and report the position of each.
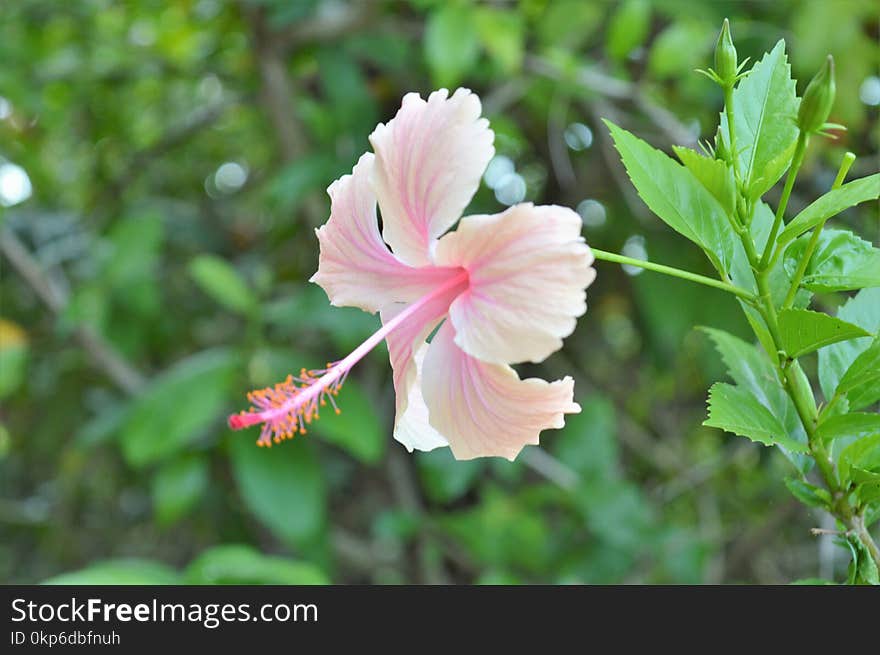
(792, 377)
(796, 162)
(848, 160)
(796, 386)
(674, 272)
(102, 353)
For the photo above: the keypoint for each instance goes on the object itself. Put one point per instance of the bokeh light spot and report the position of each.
(635, 249)
(592, 212)
(510, 189)
(498, 168)
(869, 92)
(230, 177)
(15, 185)
(578, 136)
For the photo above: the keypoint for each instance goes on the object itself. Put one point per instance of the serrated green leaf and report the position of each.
(853, 425)
(177, 406)
(451, 44)
(865, 368)
(675, 195)
(808, 493)
(628, 28)
(834, 361)
(736, 410)
(745, 363)
(861, 382)
(831, 204)
(126, 571)
(356, 428)
(752, 370)
(802, 331)
(765, 106)
(281, 486)
(222, 282)
(842, 262)
(862, 476)
(867, 486)
(713, 174)
(177, 487)
(863, 454)
(862, 569)
(238, 564)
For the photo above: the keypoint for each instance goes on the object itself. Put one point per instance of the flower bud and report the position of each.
(725, 57)
(818, 99)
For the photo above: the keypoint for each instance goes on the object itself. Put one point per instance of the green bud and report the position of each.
(800, 385)
(725, 57)
(818, 99)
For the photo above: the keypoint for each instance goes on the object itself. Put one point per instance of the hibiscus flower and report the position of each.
(503, 288)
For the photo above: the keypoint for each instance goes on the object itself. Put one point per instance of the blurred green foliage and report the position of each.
(177, 155)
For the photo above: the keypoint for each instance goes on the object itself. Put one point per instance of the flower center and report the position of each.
(288, 407)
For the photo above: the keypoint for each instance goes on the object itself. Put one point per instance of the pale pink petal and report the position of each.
(406, 347)
(484, 409)
(429, 160)
(529, 268)
(411, 426)
(355, 267)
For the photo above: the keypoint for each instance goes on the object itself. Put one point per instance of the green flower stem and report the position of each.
(789, 371)
(802, 266)
(734, 155)
(796, 162)
(848, 160)
(674, 272)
